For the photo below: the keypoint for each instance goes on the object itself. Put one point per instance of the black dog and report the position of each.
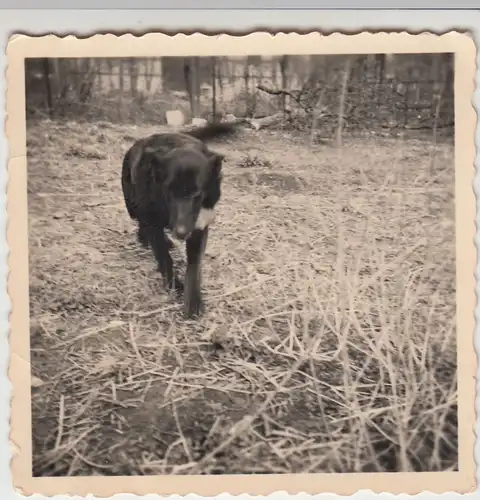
(173, 181)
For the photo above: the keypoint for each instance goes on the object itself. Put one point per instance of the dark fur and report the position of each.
(166, 179)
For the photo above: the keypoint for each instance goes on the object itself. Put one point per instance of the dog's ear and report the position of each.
(157, 164)
(216, 161)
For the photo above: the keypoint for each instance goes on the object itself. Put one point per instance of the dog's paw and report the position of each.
(193, 306)
(178, 287)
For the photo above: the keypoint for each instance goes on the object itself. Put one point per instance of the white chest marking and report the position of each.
(205, 217)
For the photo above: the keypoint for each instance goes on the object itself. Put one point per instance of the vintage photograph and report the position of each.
(243, 264)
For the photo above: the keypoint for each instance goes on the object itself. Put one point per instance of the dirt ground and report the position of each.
(328, 342)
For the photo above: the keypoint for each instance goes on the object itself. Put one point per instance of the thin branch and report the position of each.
(270, 91)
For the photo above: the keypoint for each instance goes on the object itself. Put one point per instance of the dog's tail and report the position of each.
(213, 130)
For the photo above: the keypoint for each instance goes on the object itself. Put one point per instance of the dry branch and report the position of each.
(292, 93)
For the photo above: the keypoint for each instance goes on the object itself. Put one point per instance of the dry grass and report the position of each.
(329, 341)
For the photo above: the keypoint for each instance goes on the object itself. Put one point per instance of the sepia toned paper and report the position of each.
(88, 319)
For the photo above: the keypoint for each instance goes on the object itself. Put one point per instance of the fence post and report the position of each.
(246, 78)
(196, 88)
(192, 82)
(133, 76)
(187, 79)
(406, 104)
(214, 88)
(48, 85)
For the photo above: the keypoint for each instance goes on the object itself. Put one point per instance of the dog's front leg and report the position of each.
(196, 245)
(160, 247)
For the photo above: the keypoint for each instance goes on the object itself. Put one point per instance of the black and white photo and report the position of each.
(250, 264)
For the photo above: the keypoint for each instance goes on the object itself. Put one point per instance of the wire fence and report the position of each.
(407, 91)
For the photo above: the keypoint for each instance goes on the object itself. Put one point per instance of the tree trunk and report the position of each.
(284, 68)
(214, 88)
(341, 104)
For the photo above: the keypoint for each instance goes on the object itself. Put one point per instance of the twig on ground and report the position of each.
(61, 415)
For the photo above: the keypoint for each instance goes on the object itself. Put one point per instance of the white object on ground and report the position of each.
(175, 118)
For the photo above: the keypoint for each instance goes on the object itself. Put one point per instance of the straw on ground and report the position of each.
(328, 342)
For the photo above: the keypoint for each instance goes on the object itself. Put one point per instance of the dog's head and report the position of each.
(185, 176)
